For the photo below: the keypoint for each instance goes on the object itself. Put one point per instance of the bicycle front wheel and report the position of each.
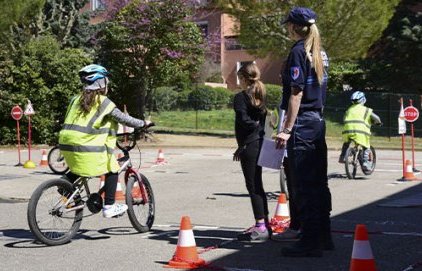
(56, 161)
(351, 163)
(52, 218)
(140, 202)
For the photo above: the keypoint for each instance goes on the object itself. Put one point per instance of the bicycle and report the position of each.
(56, 161)
(354, 159)
(55, 209)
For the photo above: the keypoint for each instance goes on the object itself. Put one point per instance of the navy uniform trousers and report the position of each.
(307, 157)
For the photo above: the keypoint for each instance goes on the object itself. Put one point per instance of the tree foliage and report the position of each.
(59, 18)
(395, 60)
(45, 74)
(150, 44)
(17, 11)
(348, 28)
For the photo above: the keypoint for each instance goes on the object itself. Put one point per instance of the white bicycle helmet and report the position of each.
(358, 97)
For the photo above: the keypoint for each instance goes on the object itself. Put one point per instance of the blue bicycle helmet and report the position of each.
(94, 77)
(358, 97)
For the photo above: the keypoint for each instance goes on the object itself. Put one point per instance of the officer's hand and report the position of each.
(281, 140)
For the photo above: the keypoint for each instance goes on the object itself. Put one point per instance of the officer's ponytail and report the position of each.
(312, 47)
(313, 42)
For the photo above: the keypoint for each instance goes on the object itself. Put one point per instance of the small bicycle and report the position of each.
(55, 209)
(56, 161)
(354, 159)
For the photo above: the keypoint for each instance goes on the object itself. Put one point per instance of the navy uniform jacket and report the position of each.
(299, 73)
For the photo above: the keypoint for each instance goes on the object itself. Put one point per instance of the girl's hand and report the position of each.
(236, 154)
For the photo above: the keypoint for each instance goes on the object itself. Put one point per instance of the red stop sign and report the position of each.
(17, 112)
(411, 114)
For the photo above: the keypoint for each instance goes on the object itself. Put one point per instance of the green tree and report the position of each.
(149, 44)
(48, 76)
(59, 18)
(17, 11)
(394, 62)
(348, 28)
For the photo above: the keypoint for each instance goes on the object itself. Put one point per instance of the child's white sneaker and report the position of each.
(114, 210)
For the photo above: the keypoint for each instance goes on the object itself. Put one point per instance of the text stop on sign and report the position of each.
(411, 114)
(17, 112)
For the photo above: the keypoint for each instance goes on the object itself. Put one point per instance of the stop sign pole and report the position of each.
(413, 118)
(17, 113)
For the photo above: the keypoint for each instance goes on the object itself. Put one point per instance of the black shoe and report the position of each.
(303, 249)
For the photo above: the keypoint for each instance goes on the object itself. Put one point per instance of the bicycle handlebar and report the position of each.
(133, 136)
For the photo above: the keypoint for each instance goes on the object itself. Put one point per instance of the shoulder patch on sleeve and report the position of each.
(294, 72)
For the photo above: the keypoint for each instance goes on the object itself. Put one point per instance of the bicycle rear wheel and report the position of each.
(52, 219)
(141, 206)
(351, 163)
(56, 161)
(373, 159)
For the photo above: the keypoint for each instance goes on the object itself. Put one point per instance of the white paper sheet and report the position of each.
(270, 157)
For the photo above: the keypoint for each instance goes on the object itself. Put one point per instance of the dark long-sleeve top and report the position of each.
(249, 121)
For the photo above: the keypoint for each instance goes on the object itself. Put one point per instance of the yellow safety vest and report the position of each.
(357, 125)
(87, 141)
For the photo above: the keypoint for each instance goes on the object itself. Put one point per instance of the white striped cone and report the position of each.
(282, 210)
(186, 256)
(362, 257)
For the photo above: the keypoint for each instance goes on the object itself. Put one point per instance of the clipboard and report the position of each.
(270, 156)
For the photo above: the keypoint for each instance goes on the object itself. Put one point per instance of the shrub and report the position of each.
(345, 73)
(223, 96)
(273, 95)
(202, 98)
(164, 99)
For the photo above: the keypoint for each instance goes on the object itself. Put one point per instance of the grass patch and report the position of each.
(221, 123)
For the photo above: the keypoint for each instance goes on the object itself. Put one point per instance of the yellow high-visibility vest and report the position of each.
(87, 141)
(357, 125)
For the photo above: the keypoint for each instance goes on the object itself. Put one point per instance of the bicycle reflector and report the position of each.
(94, 203)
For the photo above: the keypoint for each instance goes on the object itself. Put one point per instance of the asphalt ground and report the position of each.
(206, 185)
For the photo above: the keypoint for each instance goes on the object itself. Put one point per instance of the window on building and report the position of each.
(203, 26)
(239, 64)
(98, 5)
(232, 43)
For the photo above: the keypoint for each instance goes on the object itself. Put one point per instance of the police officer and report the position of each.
(357, 126)
(304, 89)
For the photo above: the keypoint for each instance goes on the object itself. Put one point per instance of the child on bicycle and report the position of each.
(88, 136)
(357, 126)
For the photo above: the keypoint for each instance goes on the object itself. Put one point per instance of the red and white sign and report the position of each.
(29, 110)
(411, 114)
(16, 112)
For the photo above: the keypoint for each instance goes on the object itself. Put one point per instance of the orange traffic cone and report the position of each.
(186, 256)
(408, 172)
(44, 161)
(281, 219)
(362, 258)
(160, 157)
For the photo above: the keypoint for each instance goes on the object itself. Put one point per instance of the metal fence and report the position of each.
(385, 105)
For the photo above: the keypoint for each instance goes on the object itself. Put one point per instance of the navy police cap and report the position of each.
(301, 16)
